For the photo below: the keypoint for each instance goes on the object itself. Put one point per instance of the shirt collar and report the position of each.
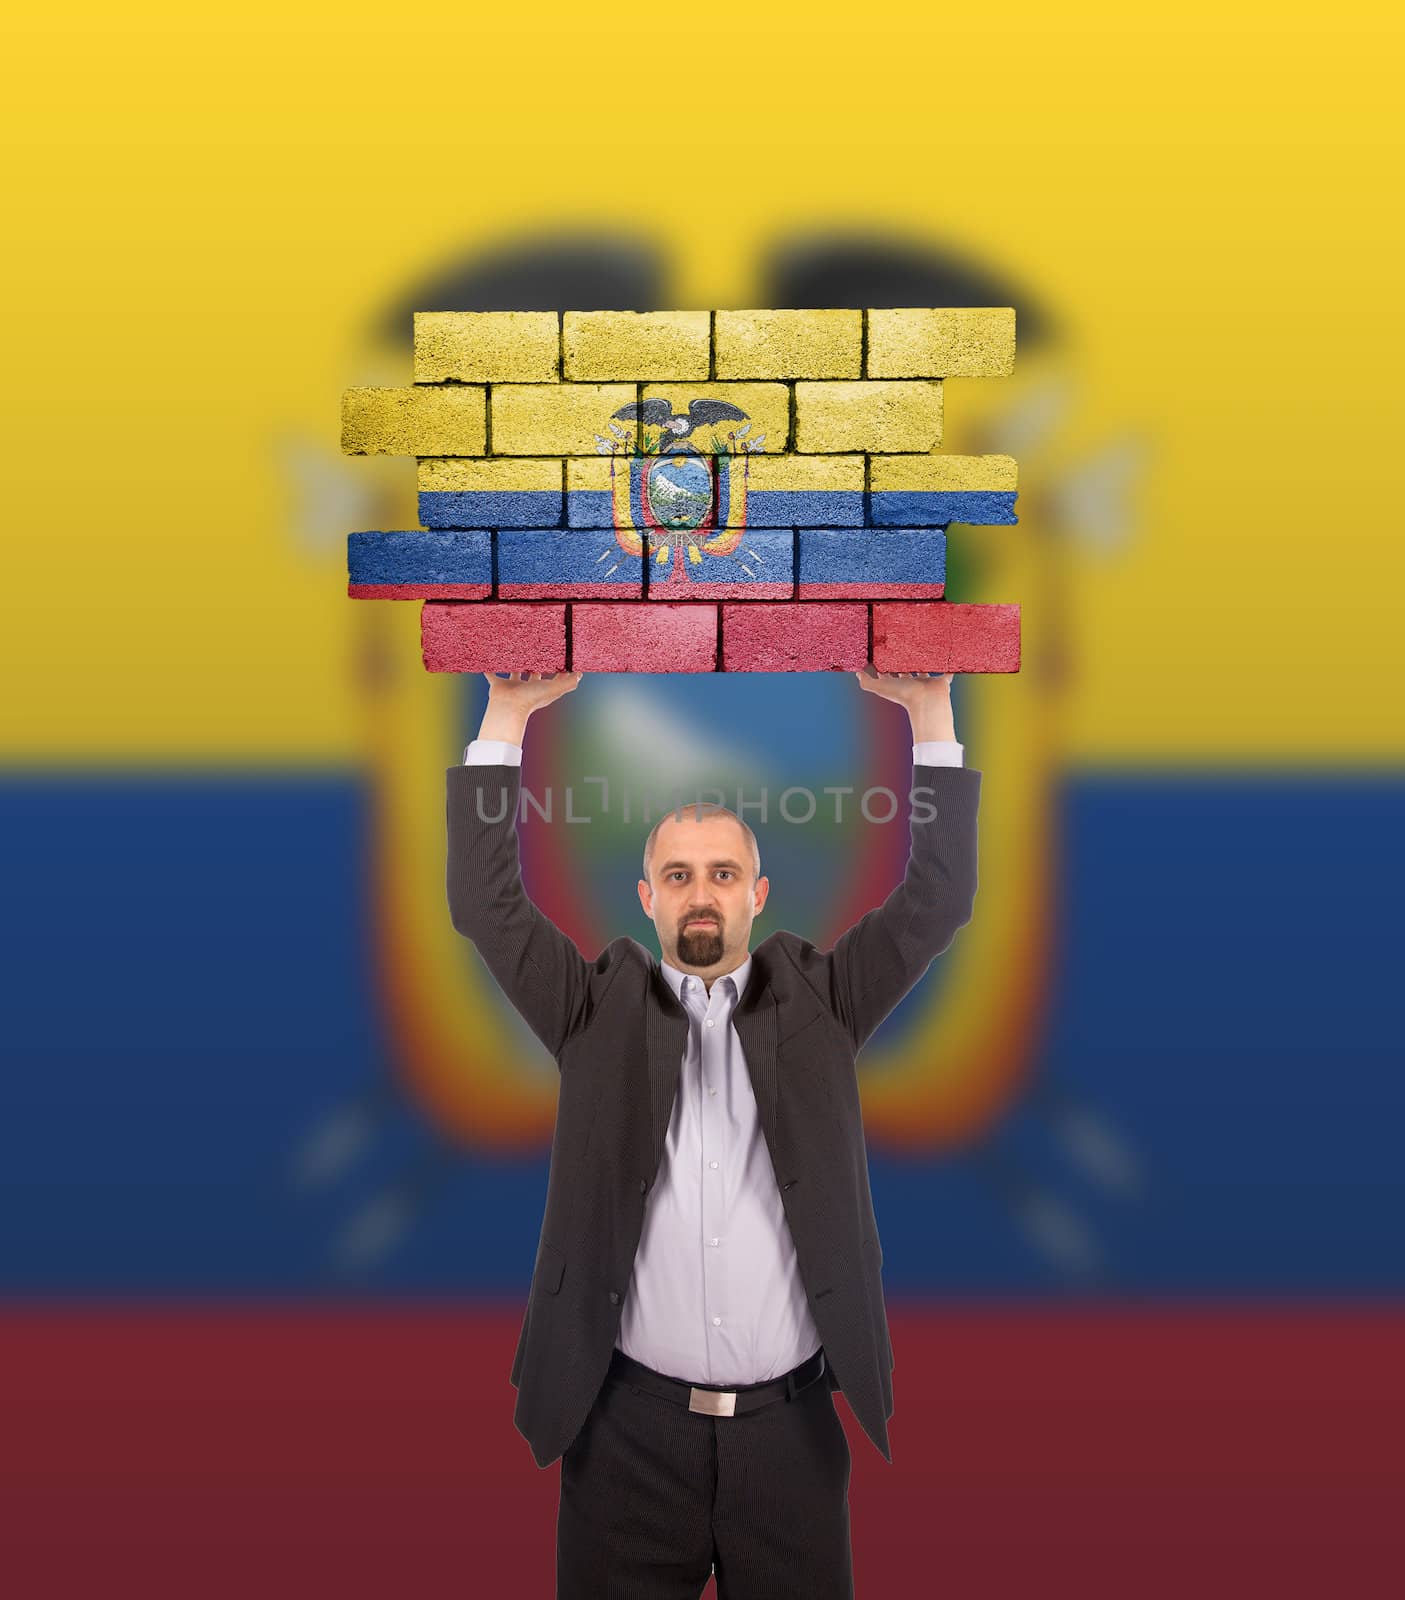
(738, 975)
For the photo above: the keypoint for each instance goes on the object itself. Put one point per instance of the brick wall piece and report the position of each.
(913, 636)
(493, 474)
(985, 638)
(415, 565)
(643, 638)
(793, 491)
(637, 345)
(487, 346)
(926, 342)
(767, 407)
(567, 564)
(589, 497)
(565, 419)
(935, 473)
(414, 422)
(493, 636)
(802, 636)
(788, 344)
(834, 418)
(785, 491)
(941, 510)
(511, 492)
(834, 493)
(419, 591)
(760, 567)
(935, 490)
(896, 563)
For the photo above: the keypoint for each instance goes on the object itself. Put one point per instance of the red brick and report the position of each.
(643, 636)
(493, 636)
(419, 591)
(804, 636)
(985, 638)
(943, 637)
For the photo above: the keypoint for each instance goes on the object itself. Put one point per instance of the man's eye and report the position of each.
(726, 873)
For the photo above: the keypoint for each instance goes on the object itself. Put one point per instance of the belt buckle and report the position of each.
(713, 1402)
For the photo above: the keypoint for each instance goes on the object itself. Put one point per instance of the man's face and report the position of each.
(700, 895)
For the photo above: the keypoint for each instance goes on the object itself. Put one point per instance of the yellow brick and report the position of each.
(563, 419)
(788, 344)
(934, 473)
(413, 422)
(886, 417)
(635, 344)
(796, 474)
(962, 342)
(487, 346)
(589, 472)
(493, 476)
(767, 408)
(788, 472)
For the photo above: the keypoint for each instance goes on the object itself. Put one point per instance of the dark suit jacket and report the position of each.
(618, 1035)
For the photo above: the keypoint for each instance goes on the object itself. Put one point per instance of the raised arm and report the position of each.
(885, 953)
(537, 966)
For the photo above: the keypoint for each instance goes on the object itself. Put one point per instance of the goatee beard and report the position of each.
(700, 947)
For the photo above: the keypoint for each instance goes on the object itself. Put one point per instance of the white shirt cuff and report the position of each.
(492, 752)
(938, 753)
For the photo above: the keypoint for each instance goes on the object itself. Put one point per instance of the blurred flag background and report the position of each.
(272, 1150)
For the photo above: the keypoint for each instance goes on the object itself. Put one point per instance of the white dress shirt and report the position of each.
(715, 1295)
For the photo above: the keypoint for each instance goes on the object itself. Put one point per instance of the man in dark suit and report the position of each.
(708, 1270)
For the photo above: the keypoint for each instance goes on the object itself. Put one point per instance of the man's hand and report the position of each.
(926, 696)
(512, 700)
(529, 691)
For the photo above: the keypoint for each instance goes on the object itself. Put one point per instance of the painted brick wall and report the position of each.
(688, 491)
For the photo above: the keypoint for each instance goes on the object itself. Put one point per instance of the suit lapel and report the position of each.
(666, 1033)
(755, 1021)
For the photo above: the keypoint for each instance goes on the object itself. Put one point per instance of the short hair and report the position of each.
(702, 808)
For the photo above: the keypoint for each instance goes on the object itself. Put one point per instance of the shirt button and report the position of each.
(712, 1163)
(712, 1091)
(710, 1022)
(712, 1241)
(717, 1322)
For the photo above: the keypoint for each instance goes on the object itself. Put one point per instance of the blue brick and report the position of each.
(804, 508)
(921, 508)
(581, 559)
(760, 567)
(419, 557)
(490, 508)
(589, 508)
(875, 558)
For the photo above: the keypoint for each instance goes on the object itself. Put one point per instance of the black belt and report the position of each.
(711, 1399)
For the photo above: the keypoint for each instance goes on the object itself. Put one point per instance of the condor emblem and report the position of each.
(679, 494)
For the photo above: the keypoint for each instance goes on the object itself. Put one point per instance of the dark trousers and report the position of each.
(653, 1496)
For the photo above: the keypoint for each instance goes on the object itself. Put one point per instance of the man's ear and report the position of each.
(763, 888)
(646, 898)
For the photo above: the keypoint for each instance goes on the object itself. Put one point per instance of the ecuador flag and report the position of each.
(678, 469)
